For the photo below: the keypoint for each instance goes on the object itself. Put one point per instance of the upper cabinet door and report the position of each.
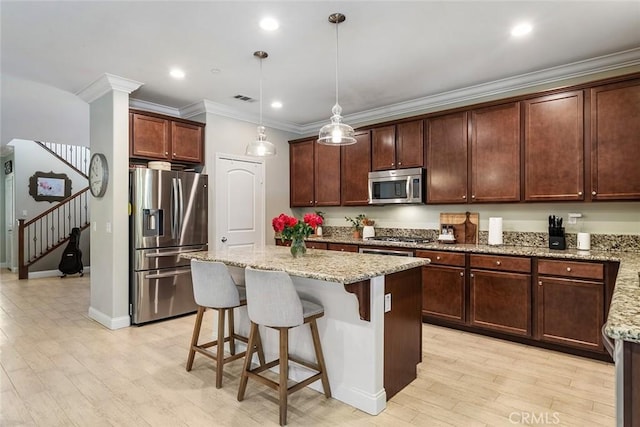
(495, 154)
(356, 164)
(327, 175)
(615, 141)
(410, 144)
(187, 142)
(301, 173)
(554, 147)
(149, 137)
(447, 158)
(383, 148)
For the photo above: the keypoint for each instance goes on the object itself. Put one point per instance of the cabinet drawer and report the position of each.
(315, 245)
(586, 270)
(501, 263)
(342, 248)
(441, 257)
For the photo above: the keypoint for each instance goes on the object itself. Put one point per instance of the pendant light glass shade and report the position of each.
(261, 147)
(336, 132)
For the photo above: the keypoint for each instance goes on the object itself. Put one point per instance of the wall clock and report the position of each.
(98, 175)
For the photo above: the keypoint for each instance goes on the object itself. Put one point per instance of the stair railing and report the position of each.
(75, 156)
(49, 230)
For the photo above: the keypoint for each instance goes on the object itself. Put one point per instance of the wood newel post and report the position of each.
(23, 270)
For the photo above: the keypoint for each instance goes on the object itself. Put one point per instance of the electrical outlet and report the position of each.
(573, 218)
(387, 303)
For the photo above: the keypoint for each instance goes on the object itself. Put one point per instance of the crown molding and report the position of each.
(106, 83)
(206, 106)
(601, 64)
(440, 101)
(153, 107)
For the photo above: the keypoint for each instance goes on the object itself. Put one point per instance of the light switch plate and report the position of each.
(387, 303)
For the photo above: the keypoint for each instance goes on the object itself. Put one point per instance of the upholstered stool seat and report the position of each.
(213, 287)
(272, 301)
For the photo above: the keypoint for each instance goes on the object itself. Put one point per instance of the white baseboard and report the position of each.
(52, 273)
(110, 322)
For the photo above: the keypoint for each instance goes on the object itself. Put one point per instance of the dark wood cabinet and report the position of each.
(571, 303)
(314, 174)
(495, 154)
(356, 164)
(500, 290)
(615, 141)
(447, 158)
(302, 180)
(315, 245)
(554, 147)
(398, 146)
(156, 137)
(444, 286)
(402, 330)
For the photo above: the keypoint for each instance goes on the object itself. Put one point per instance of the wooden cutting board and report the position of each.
(465, 225)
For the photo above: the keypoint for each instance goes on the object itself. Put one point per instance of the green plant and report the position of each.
(356, 222)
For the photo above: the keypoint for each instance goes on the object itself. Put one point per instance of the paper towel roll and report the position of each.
(584, 241)
(495, 231)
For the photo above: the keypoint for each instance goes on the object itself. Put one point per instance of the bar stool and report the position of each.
(274, 302)
(213, 287)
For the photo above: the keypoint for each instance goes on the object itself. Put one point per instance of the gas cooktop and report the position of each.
(403, 239)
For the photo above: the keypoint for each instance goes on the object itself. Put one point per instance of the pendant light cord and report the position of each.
(260, 91)
(337, 24)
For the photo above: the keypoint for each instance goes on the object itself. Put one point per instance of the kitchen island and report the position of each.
(371, 351)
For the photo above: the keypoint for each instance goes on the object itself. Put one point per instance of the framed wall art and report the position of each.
(49, 187)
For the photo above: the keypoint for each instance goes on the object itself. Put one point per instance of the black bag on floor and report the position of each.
(71, 262)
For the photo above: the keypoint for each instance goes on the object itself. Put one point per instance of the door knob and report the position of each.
(223, 240)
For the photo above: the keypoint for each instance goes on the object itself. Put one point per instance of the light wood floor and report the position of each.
(61, 368)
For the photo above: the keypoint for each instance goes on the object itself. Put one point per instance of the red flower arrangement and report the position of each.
(291, 228)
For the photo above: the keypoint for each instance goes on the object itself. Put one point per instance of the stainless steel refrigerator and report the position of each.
(168, 217)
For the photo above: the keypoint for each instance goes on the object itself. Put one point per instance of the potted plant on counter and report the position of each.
(356, 223)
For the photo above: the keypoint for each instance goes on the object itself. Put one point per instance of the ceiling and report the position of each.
(392, 54)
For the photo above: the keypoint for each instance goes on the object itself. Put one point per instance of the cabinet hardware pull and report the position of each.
(579, 193)
(593, 193)
(438, 258)
(393, 164)
(569, 269)
(471, 275)
(399, 163)
(473, 196)
(462, 274)
(498, 263)
(540, 283)
(464, 197)
(166, 153)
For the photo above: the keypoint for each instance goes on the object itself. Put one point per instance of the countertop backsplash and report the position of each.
(600, 242)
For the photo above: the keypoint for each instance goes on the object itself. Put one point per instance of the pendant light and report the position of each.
(336, 132)
(261, 147)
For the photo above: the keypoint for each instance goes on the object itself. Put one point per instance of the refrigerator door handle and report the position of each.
(173, 253)
(174, 208)
(180, 208)
(169, 274)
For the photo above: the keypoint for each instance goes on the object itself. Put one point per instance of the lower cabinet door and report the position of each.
(501, 301)
(443, 293)
(570, 312)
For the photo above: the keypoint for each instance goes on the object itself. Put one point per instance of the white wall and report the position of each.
(230, 136)
(40, 112)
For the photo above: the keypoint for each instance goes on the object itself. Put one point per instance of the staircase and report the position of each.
(41, 235)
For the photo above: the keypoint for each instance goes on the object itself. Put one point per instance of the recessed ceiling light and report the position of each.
(276, 104)
(521, 29)
(177, 74)
(269, 24)
(215, 70)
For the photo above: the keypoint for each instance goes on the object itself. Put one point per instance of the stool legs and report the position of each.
(282, 387)
(220, 348)
(194, 337)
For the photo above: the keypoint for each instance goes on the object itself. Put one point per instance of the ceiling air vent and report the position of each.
(245, 98)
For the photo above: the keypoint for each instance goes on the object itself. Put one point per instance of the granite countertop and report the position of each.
(623, 321)
(318, 264)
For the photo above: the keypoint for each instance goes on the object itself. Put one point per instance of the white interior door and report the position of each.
(239, 202)
(10, 223)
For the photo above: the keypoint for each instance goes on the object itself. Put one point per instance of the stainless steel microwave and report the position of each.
(396, 186)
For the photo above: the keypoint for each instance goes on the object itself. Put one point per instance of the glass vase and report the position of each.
(298, 247)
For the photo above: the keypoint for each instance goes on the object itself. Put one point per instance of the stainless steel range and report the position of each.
(393, 251)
